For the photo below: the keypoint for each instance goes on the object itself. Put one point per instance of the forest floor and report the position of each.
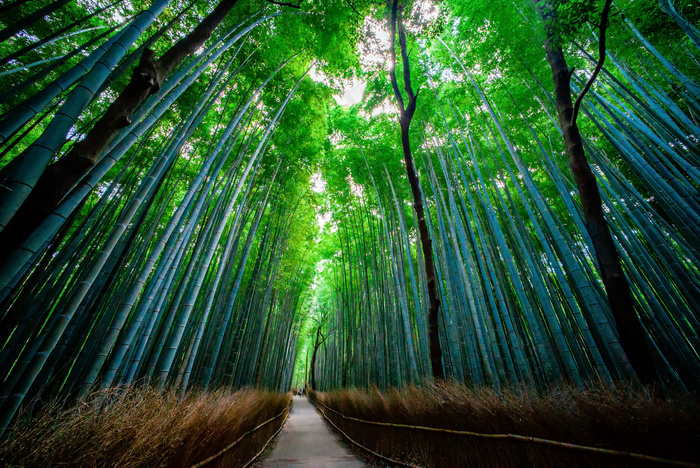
(307, 441)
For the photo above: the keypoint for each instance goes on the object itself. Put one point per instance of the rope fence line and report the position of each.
(534, 440)
(233, 444)
(376, 454)
(266, 443)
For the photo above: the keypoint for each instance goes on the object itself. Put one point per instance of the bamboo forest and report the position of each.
(480, 217)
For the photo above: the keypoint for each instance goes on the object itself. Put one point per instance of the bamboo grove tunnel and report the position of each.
(347, 194)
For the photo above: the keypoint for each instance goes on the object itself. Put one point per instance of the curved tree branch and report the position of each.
(392, 52)
(406, 66)
(601, 60)
(355, 9)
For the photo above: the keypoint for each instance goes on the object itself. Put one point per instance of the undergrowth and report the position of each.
(136, 427)
(624, 418)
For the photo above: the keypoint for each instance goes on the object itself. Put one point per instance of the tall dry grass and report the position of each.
(135, 427)
(625, 418)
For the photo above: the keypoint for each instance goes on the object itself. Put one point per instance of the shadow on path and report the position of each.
(306, 441)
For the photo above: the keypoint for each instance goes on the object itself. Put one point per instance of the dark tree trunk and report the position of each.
(406, 115)
(60, 176)
(629, 327)
(317, 344)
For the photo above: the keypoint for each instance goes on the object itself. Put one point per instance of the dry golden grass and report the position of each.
(625, 418)
(144, 428)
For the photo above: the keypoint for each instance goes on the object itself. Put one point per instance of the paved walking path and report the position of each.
(306, 441)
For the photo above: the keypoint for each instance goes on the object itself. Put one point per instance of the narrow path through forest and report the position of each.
(306, 441)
